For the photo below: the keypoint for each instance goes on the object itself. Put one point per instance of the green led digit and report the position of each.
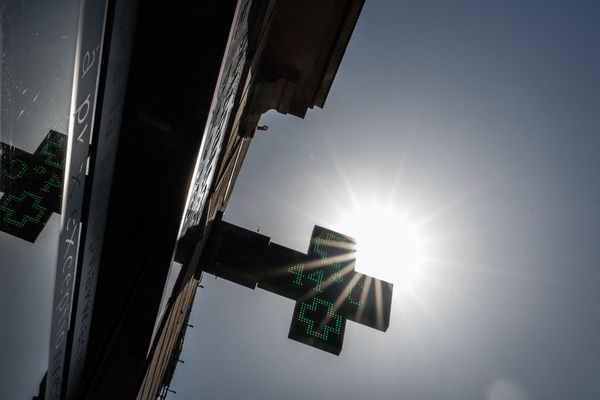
(39, 170)
(297, 270)
(50, 157)
(323, 254)
(349, 296)
(22, 165)
(317, 276)
(54, 181)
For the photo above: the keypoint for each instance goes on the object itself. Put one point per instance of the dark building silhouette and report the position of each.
(166, 100)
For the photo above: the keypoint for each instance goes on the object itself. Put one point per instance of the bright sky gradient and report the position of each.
(480, 122)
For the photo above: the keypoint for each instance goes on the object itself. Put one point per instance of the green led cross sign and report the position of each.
(326, 288)
(32, 186)
(333, 322)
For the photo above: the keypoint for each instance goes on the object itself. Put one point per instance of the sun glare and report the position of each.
(389, 245)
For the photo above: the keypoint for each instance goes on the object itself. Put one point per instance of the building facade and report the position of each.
(162, 106)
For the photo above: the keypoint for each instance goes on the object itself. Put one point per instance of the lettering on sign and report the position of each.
(224, 103)
(101, 172)
(81, 125)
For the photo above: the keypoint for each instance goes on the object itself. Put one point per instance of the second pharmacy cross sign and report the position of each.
(32, 186)
(326, 288)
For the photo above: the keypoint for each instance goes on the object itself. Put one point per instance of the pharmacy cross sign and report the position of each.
(32, 186)
(326, 288)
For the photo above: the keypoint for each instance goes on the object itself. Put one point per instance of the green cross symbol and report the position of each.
(32, 186)
(331, 316)
(10, 212)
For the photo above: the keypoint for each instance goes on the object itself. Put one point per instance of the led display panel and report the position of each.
(316, 323)
(323, 282)
(32, 186)
(327, 267)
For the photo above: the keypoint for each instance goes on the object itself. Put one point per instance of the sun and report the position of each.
(390, 246)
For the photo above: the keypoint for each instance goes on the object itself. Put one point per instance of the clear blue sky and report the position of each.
(482, 118)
